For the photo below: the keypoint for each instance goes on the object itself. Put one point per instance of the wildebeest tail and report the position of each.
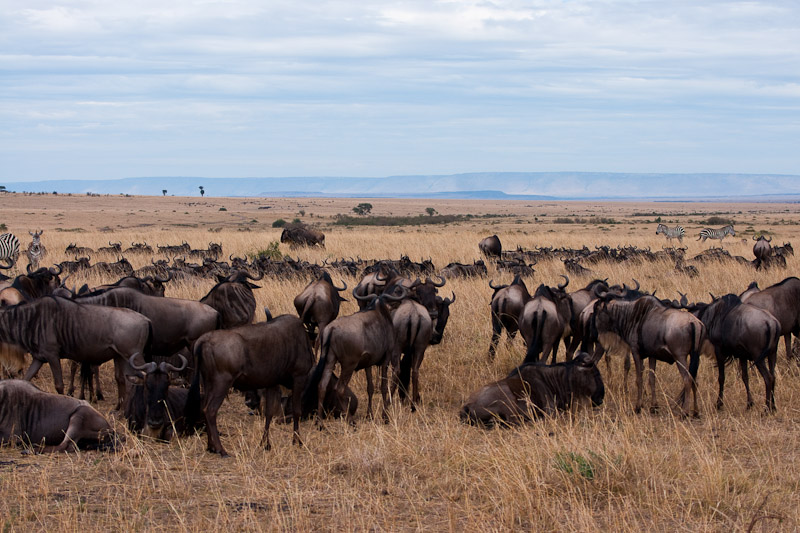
(771, 337)
(412, 330)
(535, 348)
(193, 400)
(694, 355)
(310, 394)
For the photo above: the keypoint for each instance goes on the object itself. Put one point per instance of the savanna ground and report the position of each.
(587, 470)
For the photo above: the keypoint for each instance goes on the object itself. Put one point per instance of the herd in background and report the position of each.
(155, 341)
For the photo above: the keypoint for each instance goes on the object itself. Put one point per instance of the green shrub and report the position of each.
(272, 251)
(279, 223)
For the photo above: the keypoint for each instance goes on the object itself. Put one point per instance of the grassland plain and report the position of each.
(587, 470)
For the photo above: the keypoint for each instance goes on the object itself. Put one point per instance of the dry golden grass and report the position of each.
(588, 470)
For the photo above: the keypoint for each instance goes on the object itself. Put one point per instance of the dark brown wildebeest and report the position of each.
(257, 356)
(112, 248)
(75, 250)
(741, 331)
(374, 282)
(651, 330)
(233, 298)
(441, 317)
(153, 408)
(149, 285)
(38, 283)
(460, 270)
(80, 263)
(301, 235)
(491, 247)
(545, 320)
(56, 423)
(177, 323)
(139, 248)
(318, 304)
(762, 250)
(506, 308)
(53, 328)
(783, 251)
(783, 301)
(533, 390)
(174, 249)
(580, 299)
(413, 330)
(121, 267)
(360, 341)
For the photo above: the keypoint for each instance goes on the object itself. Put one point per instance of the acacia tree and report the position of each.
(431, 211)
(362, 208)
(164, 192)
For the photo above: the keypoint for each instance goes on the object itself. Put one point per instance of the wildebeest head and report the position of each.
(155, 385)
(443, 315)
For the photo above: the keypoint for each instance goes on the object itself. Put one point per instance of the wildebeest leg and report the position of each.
(85, 423)
(721, 376)
(689, 387)
(651, 380)
(73, 369)
(121, 367)
(637, 361)
(96, 373)
(370, 391)
(341, 387)
(415, 364)
(298, 386)
(771, 360)
(272, 398)
(58, 376)
(769, 384)
(626, 369)
(497, 328)
(746, 381)
(322, 387)
(215, 393)
(787, 341)
(387, 400)
(36, 364)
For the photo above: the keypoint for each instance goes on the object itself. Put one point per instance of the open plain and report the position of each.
(587, 470)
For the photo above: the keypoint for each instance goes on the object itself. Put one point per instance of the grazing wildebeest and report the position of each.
(361, 341)
(651, 330)
(53, 328)
(318, 304)
(233, 298)
(57, 423)
(460, 270)
(741, 331)
(257, 356)
(491, 247)
(545, 320)
(783, 301)
(153, 408)
(301, 235)
(533, 390)
(506, 308)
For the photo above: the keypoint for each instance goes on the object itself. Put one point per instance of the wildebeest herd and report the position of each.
(212, 344)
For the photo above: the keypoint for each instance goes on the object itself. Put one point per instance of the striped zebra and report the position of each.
(9, 248)
(710, 233)
(36, 250)
(671, 233)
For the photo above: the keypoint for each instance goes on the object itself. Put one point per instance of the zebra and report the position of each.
(36, 250)
(9, 248)
(671, 233)
(710, 233)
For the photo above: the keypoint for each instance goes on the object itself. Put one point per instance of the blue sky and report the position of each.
(97, 89)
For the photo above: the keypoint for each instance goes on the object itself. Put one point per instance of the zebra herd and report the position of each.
(678, 232)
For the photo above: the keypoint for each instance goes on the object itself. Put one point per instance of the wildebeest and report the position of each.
(38, 283)
(579, 300)
(761, 250)
(75, 250)
(57, 423)
(152, 407)
(741, 331)
(257, 356)
(233, 298)
(533, 390)
(506, 308)
(491, 247)
(651, 330)
(121, 267)
(112, 248)
(460, 270)
(783, 301)
(545, 320)
(441, 317)
(318, 304)
(360, 341)
(302, 235)
(53, 328)
(413, 329)
(149, 285)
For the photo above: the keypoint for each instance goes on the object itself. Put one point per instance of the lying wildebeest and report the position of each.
(783, 301)
(75, 250)
(741, 331)
(533, 390)
(460, 270)
(302, 235)
(153, 408)
(257, 356)
(112, 248)
(506, 308)
(318, 304)
(362, 340)
(57, 423)
(491, 247)
(53, 328)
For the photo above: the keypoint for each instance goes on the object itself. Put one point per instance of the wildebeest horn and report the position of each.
(366, 297)
(451, 300)
(561, 287)
(251, 276)
(769, 240)
(403, 293)
(147, 367)
(28, 268)
(164, 280)
(167, 367)
(496, 287)
(440, 284)
(3, 267)
(267, 314)
(56, 273)
(712, 296)
(344, 288)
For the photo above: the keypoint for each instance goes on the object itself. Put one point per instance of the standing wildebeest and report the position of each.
(75, 250)
(301, 235)
(741, 331)
(651, 330)
(491, 247)
(112, 248)
(177, 323)
(153, 408)
(53, 328)
(460, 270)
(318, 304)
(413, 328)
(58, 423)
(533, 390)
(580, 299)
(762, 250)
(783, 301)
(257, 356)
(545, 320)
(233, 299)
(506, 308)
(360, 341)
(38, 283)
